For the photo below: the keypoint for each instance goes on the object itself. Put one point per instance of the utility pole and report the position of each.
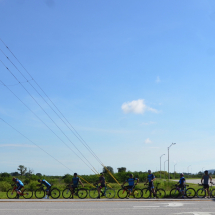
(168, 160)
(160, 164)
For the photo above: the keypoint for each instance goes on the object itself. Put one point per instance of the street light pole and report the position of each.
(168, 159)
(174, 170)
(164, 166)
(160, 164)
(188, 169)
(202, 169)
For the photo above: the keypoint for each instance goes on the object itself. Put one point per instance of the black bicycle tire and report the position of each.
(172, 195)
(118, 193)
(190, 197)
(10, 191)
(28, 191)
(146, 191)
(39, 190)
(63, 194)
(52, 190)
(107, 192)
(160, 190)
(139, 191)
(212, 191)
(201, 189)
(82, 196)
(95, 191)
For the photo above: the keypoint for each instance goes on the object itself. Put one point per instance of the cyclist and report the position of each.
(131, 184)
(75, 181)
(102, 184)
(182, 182)
(48, 187)
(20, 186)
(150, 179)
(206, 178)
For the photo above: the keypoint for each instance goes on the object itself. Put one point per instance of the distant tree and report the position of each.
(109, 168)
(14, 173)
(121, 169)
(39, 174)
(22, 169)
(5, 174)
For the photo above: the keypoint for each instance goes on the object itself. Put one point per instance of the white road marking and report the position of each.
(174, 204)
(198, 213)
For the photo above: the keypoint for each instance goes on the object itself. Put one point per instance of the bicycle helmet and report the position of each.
(206, 171)
(149, 171)
(131, 175)
(75, 173)
(13, 179)
(39, 180)
(182, 174)
(101, 173)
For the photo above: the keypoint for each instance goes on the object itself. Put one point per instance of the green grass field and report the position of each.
(167, 186)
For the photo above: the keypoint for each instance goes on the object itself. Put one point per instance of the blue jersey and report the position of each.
(18, 182)
(182, 180)
(75, 181)
(131, 181)
(150, 177)
(46, 183)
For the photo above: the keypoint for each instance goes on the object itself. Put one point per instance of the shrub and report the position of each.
(4, 186)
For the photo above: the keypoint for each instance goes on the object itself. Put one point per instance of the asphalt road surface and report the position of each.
(134, 207)
(192, 181)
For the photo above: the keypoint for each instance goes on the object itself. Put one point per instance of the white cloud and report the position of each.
(157, 79)
(17, 145)
(148, 141)
(137, 107)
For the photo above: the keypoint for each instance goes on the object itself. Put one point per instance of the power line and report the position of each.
(44, 123)
(74, 132)
(42, 149)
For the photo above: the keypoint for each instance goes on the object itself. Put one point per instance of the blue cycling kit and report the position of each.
(150, 177)
(18, 182)
(131, 181)
(75, 181)
(46, 183)
(181, 181)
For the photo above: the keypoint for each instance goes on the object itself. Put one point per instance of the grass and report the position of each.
(167, 186)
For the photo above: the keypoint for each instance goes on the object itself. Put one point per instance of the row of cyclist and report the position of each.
(102, 189)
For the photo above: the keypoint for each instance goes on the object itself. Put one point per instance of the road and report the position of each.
(192, 181)
(89, 207)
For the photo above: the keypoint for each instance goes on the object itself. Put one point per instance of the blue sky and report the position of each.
(131, 76)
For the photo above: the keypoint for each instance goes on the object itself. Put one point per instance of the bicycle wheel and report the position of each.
(66, 193)
(122, 194)
(213, 193)
(161, 193)
(110, 193)
(93, 193)
(174, 193)
(146, 193)
(55, 193)
(27, 194)
(190, 193)
(137, 193)
(39, 194)
(11, 194)
(82, 193)
(201, 193)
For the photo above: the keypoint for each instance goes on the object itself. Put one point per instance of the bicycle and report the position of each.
(189, 193)
(41, 192)
(159, 193)
(124, 192)
(107, 192)
(80, 192)
(12, 194)
(201, 192)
